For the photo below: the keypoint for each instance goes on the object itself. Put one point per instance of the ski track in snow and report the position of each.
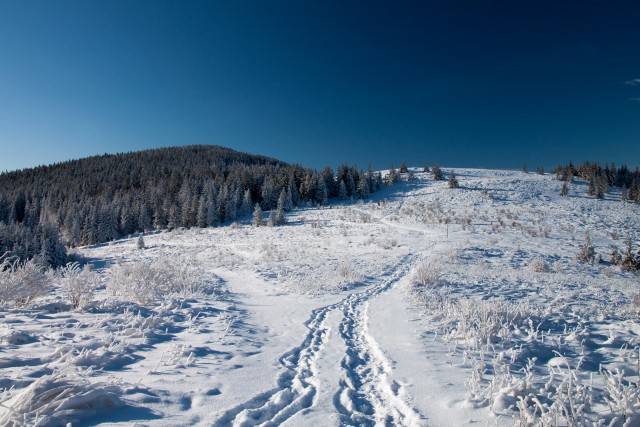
(367, 394)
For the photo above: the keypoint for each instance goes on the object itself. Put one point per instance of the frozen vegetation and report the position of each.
(423, 305)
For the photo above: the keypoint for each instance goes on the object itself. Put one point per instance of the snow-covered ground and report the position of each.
(422, 306)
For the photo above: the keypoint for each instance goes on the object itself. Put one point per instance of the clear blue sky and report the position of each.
(461, 83)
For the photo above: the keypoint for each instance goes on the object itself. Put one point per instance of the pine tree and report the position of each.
(288, 200)
(453, 182)
(392, 177)
(257, 216)
(140, 244)
(279, 215)
(587, 253)
(403, 167)
(426, 167)
(342, 191)
(203, 210)
(624, 194)
(245, 208)
(437, 173)
(363, 187)
(634, 190)
(565, 189)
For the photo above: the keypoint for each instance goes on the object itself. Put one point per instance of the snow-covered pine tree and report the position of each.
(426, 167)
(203, 210)
(342, 191)
(587, 253)
(140, 244)
(257, 216)
(363, 187)
(437, 173)
(624, 193)
(245, 208)
(403, 167)
(288, 199)
(453, 181)
(279, 215)
(565, 189)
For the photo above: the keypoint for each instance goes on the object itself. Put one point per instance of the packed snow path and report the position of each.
(367, 393)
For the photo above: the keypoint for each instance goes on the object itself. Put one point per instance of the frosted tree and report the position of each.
(437, 173)
(453, 181)
(279, 214)
(288, 199)
(565, 189)
(140, 244)
(257, 216)
(363, 187)
(245, 208)
(203, 210)
(587, 253)
(342, 191)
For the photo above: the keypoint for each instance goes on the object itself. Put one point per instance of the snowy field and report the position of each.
(422, 306)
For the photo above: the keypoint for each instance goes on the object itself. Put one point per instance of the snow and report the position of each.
(422, 306)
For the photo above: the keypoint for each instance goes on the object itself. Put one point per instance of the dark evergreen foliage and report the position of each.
(437, 173)
(602, 178)
(103, 198)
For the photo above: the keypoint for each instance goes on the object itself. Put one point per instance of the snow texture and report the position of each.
(425, 305)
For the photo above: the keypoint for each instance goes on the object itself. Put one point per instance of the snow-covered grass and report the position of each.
(423, 306)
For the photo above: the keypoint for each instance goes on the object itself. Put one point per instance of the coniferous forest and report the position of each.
(99, 199)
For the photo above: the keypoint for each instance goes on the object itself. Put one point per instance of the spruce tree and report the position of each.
(403, 167)
(279, 216)
(453, 182)
(437, 173)
(565, 189)
(342, 191)
(257, 216)
(140, 244)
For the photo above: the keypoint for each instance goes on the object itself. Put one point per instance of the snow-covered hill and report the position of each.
(422, 306)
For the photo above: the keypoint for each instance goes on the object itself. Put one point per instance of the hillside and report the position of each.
(424, 305)
(104, 198)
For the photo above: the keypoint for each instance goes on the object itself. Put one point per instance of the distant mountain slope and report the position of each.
(102, 198)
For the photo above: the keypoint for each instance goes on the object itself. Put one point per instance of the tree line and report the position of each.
(103, 198)
(602, 178)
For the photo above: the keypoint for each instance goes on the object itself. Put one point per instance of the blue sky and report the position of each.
(465, 84)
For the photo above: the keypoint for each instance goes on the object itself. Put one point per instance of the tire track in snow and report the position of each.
(368, 395)
(368, 384)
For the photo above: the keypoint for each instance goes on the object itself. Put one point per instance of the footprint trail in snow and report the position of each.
(367, 394)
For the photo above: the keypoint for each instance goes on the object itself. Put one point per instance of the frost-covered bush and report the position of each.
(151, 282)
(79, 284)
(21, 282)
(538, 265)
(429, 273)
